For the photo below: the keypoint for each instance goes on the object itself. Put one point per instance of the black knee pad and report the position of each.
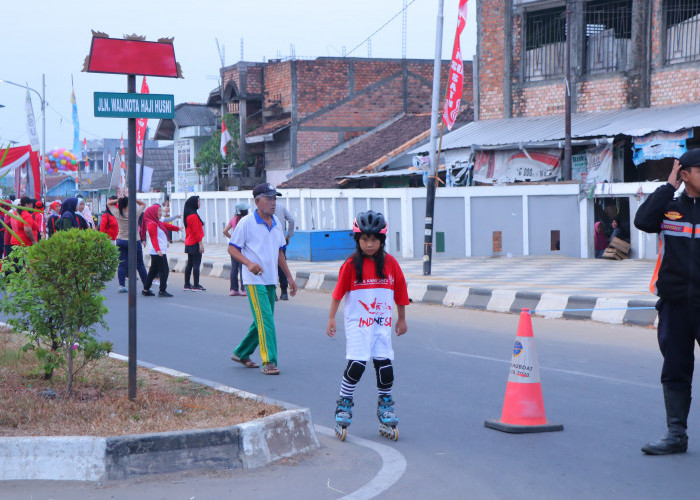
(354, 370)
(385, 373)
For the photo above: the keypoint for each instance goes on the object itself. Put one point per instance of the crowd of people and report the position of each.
(29, 221)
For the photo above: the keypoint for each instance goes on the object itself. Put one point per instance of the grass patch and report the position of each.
(100, 405)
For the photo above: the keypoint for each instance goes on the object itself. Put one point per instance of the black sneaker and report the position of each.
(198, 288)
(284, 296)
(164, 294)
(187, 288)
(147, 293)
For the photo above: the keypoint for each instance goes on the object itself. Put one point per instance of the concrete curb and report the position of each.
(548, 305)
(84, 458)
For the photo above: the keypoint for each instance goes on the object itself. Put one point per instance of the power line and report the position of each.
(380, 28)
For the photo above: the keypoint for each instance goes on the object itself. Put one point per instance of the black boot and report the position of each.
(675, 440)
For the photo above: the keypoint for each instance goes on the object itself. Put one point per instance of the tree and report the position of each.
(55, 296)
(209, 156)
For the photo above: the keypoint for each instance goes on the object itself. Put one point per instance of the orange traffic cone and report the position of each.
(523, 406)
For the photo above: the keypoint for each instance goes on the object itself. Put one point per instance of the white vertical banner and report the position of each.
(31, 124)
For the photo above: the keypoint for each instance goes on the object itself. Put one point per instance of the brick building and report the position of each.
(625, 54)
(298, 112)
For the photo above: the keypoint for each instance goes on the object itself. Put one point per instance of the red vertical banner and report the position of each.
(453, 97)
(141, 124)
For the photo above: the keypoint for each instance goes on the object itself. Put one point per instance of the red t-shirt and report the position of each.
(393, 280)
(18, 227)
(194, 231)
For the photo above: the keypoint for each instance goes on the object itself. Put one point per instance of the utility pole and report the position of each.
(566, 171)
(432, 177)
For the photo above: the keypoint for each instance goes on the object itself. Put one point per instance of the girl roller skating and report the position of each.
(371, 281)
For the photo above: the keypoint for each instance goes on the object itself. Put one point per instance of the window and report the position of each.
(545, 44)
(183, 155)
(608, 34)
(682, 21)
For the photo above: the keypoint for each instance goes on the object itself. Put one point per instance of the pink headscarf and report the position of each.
(150, 216)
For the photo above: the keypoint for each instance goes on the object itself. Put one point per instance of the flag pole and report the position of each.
(430, 195)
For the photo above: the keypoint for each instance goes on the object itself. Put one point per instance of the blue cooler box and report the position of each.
(313, 246)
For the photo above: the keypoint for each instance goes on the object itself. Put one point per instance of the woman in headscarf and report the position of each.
(87, 215)
(194, 248)
(120, 210)
(53, 217)
(82, 221)
(157, 246)
(600, 240)
(68, 218)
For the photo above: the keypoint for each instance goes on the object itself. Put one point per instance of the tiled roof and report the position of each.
(371, 147)
(186, 115)
(191, 114)
(270, 127)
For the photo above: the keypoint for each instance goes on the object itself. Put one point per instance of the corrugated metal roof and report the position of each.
(531, 130)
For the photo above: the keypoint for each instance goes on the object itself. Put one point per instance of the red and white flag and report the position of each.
(453, 99)
(141, 124)
(122, 168)
(225, 138)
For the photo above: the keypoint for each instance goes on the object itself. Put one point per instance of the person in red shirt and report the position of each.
(109, 224)
(371, 282)
(24, 229)
(194, 247)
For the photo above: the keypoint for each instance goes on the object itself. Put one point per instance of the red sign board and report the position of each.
(132, 57)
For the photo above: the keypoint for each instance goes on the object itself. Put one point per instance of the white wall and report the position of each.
(335, 209)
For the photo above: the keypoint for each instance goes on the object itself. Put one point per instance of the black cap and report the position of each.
(265, 189)
(690, 158)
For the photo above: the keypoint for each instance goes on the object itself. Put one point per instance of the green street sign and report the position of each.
(112, 105)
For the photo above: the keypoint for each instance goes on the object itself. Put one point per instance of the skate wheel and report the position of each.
(341, 432)
(395, 437)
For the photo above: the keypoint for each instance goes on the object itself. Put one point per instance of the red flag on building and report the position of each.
(141, 124)
(122, 169)
(453, 98)
(225, 138)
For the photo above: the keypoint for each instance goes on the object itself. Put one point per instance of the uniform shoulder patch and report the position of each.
(673, 215)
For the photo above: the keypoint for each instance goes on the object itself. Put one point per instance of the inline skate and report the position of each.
(387, 419)
(343, 417)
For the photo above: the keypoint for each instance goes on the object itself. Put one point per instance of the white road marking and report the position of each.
(559, 370)
(393, 466)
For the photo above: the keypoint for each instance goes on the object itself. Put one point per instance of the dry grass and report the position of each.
(100, 404)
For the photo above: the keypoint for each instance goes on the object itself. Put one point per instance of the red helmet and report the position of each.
(369, 222)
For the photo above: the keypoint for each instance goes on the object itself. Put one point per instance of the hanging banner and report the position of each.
(491, 167)
(660, 145)
(31, 123)
(141, 124)
(453, 97)
(599, 164)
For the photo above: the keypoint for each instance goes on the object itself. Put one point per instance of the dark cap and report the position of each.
(265, 189)
(690, 158)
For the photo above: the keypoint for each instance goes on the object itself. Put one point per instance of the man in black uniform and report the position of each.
(677, 283)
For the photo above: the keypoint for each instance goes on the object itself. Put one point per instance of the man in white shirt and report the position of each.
(258, 243)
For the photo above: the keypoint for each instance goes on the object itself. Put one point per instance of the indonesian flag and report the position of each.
(453, 98)
(109, 162)
(225, 138)
(141, 124)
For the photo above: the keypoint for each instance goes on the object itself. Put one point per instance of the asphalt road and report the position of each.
(600, 381)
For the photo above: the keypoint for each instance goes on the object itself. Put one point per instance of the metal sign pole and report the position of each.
(133, 275)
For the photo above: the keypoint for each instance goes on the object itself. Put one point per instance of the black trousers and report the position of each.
(679, 330)
(284, 282)
(194, 261)
(160, 268)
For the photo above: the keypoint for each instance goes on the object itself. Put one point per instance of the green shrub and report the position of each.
(55, 297)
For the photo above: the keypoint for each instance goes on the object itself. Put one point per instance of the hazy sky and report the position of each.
(46, 36)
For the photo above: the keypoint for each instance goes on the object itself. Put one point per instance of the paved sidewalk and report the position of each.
(552, 286)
